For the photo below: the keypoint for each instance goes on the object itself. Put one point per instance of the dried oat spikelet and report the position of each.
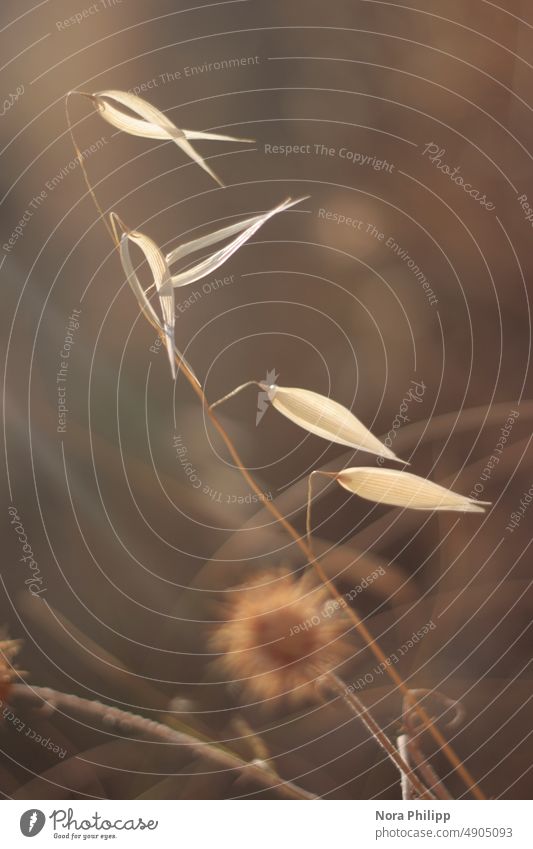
(321, 416)
(153, 124)
(403, 489)
(162, 282)
(246, 229)
(159, 263)
(278, 638)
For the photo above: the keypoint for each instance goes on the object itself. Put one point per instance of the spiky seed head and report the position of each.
(279, 637)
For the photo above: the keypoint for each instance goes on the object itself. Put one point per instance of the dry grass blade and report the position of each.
(403, 489)
(152, 124)
(326, 418)
(159, 266)
(414, 731)
(248, 227)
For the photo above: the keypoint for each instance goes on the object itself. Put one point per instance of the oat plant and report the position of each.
(253, 635)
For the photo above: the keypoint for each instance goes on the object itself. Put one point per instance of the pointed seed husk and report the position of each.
(326, 418)
(161, 275)
(403, 489)
(152, 124)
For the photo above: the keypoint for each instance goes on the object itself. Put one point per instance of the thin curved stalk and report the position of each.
(403, 751)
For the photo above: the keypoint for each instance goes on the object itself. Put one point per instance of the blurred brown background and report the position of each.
(133, 557)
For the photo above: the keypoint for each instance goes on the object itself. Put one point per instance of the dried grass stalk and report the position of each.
(403, 751)
(159, 264)
(114, 720)
(319, 415)
(161, 274)
(355, 704)
(291, 530)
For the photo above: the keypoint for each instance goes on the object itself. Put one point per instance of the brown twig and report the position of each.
(114, 719)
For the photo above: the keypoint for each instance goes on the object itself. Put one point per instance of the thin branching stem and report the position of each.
(235, 392)
(370, 641)
(360, 626)
(355, 704)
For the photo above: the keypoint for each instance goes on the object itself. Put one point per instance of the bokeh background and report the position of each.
(134, 556)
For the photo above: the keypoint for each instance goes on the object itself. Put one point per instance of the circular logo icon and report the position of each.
(32, 822)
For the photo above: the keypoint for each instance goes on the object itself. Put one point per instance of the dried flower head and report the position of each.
(279, 637)
(8, 650)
